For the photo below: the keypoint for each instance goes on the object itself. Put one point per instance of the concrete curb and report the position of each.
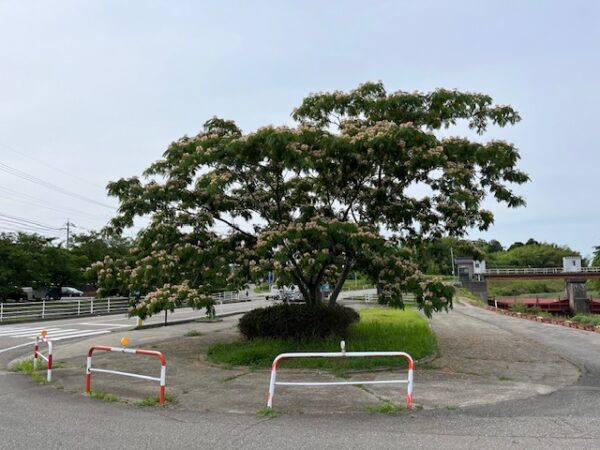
(189, 320)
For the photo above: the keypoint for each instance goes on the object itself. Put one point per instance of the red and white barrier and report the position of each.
(163, 367)
(36, 353)
(343, 354)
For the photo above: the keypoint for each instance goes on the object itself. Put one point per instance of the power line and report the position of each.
(26, 222)
(58, 169)
(24, 198)
(25, 176)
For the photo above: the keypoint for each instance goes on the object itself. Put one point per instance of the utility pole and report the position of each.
(69, 224)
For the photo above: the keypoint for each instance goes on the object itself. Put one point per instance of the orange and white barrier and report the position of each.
(343, 354)
(36, 353)
(163, 366)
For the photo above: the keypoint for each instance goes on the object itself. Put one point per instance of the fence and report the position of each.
(47, 309)
(409, 299)
(37, 353)
(163, 367)
(342, 354)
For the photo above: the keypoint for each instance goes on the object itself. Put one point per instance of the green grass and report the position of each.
(267, 412)
(464, 292)
(528, 309)
(386, 408)
(359, 283)
(99, 395)
(509, 288)
(155, 400)
(193, 333)
(379, 329)
(587, 319)
(25, 366)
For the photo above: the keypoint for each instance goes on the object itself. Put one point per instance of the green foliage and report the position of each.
(316, 201)
(193, 333)
(99, 395)
(25, 366)
(387, 408)
(297, 321)
(267, 412)
(532, 254)
(379, 329)
(527, 309)
(30, 260)
(592, 319)
(154, 400)
(508, 288)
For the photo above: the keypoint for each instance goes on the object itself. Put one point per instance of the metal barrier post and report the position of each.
(273, 381)
(78, 307)
(43, 308)
(37, 353)
(91, 307)
(1, 311)
(163, 367)
(108, 305)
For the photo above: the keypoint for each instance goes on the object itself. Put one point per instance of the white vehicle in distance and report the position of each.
(286, 294)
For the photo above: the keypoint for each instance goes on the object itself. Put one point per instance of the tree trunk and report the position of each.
(340, 283)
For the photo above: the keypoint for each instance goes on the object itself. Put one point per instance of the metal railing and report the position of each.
(409, 299)
(540, 271)
(48, 309)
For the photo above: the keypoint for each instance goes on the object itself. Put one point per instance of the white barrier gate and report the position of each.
(343, 354)
(37, 353)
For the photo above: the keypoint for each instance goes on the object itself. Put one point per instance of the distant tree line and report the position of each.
(31, 260)
(435, 257)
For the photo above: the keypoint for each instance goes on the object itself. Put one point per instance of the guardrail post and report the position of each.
(1, 311)
(108, 304)
(91, 306)
(43, 309)
(78, 307)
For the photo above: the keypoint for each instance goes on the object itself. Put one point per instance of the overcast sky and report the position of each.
(92, 91)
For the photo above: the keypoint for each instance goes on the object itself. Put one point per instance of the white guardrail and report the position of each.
(540, 271)
(47, 309)
(86, 306)
(343, 354)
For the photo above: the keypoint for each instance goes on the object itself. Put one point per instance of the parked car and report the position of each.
(56, 293)
(287, 294)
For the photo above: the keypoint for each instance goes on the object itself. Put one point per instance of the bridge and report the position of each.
(531, 273)
(474, 276)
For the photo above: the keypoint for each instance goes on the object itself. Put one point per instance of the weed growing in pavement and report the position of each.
(155, 400)
(25, 366)
(387, 408)
(267, 412)
(451, 407)
(99, 395)
(193, 333)
(503, 378)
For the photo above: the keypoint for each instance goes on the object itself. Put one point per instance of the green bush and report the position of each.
(523, 308)
(587, 319)
(379, 329)
(297, 321)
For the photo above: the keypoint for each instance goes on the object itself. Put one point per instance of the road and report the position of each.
(36, 416)
(17, 336)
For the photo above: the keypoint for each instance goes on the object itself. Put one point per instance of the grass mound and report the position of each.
(379, 329)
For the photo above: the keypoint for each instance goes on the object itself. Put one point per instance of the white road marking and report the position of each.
(89, 333)
(112, 325)
(16, 346)
(26, 331)
(51, 333)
